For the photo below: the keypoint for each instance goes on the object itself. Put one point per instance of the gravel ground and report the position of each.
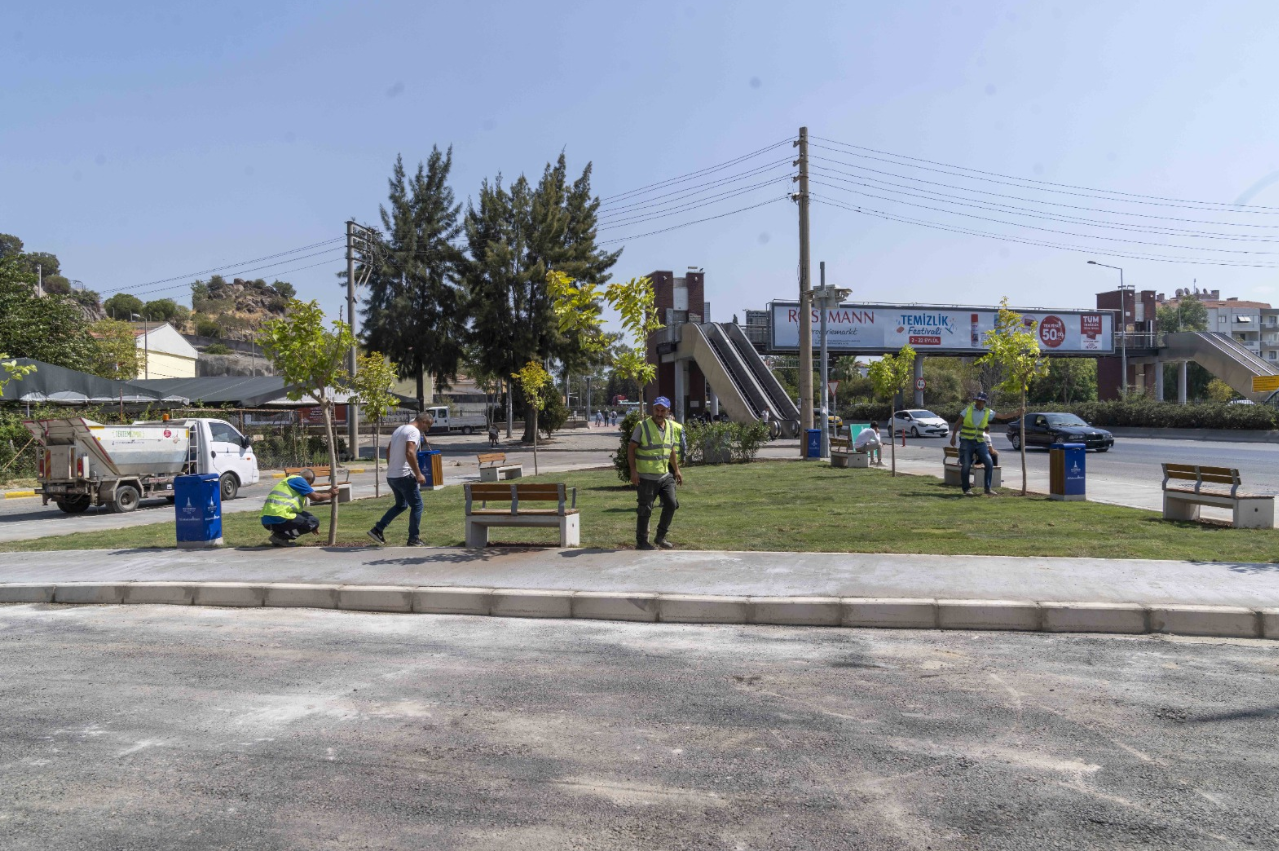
(151, 727)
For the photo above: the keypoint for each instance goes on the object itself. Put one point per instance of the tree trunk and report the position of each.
(421, 392)
(892, 439)
(535, 442)
(510, 410)
(327, 406)
(377, 457)
(1022, 441)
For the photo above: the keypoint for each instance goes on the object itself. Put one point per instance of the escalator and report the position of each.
(1221, 355)
(780, 403)
(733, 375)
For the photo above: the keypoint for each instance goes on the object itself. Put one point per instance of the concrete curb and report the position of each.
(1214, 434)
(851, 612)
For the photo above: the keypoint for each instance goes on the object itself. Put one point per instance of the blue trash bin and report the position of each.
(814, 443)
(197, 500)
(424, 464)
(1067, 472)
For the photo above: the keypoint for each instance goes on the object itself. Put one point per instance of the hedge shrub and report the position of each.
(1129, 413)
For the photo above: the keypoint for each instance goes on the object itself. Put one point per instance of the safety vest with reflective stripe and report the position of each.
(679, 439)
(283, 501)
(975, 428)
(653, 454)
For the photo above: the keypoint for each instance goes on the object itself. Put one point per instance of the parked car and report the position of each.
(834, 423)
(920, 423)
(1048, 427)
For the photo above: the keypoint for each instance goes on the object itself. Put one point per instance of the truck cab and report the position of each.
(218, 447)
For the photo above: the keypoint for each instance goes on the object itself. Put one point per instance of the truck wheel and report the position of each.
(468, 431)
(230, 487)
(126, 499)
(74, 504)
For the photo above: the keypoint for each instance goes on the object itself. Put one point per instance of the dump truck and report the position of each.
(83, 463)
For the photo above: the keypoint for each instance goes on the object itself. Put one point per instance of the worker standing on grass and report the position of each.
(282, 515)
(653, 453)
(971, 429)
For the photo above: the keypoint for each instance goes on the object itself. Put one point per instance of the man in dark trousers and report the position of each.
(282, 514)
(405, 478)
(653, 453)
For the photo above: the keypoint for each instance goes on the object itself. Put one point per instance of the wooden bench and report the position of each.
(1251, 511)
(493, 467)
(323, 473)
(951, 470)
(842, 454)
(478, 520)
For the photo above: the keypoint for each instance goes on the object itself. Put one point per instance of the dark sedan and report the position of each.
(1050, 427)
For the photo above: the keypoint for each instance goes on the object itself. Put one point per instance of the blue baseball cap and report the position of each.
(982, 397)
(663, 401)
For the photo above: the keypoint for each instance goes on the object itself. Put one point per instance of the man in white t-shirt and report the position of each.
(868, 441)
(405, 478)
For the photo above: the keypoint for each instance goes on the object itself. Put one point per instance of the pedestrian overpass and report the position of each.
(1220, 354)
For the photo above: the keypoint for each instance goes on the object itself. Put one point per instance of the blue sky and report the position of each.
(145, 141)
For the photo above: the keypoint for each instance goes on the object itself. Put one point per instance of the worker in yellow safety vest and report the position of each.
(971, 429)
(282, 514)
(653, 453)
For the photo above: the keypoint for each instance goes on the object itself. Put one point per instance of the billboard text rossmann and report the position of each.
(941, 329)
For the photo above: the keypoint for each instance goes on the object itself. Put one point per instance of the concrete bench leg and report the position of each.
(1254, 513)
(571, 530)
(513, 472)
(1180, 509)
(477, 534)
(488, 474)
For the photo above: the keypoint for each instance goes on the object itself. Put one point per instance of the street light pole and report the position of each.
(1123, 327)
(825, 298)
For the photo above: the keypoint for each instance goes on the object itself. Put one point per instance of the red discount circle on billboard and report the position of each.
(1052, 331)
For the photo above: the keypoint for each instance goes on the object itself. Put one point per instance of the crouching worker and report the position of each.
(282, 515)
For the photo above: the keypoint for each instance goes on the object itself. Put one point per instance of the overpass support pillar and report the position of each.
(1159, 380)
(1182, 369)
(681, 390)
(712, 400)
(919, 374)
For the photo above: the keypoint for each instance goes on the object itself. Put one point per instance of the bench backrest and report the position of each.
(517, 493)
(1200, 474)
(951, 451)
(320, 472)
(492, 459)
(840, 443)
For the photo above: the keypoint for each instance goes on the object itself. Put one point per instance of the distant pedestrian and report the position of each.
(405, 478)
(492, 434)
(612, 418)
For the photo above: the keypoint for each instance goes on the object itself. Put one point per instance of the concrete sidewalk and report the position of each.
(704, 587)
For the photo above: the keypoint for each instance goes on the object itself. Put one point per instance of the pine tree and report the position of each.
(414, 307)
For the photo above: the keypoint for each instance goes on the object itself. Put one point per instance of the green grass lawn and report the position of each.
(788, 506)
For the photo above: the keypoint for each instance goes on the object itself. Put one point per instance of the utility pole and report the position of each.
(825, 308)
(352, 413)
(39, 279)
(805, 303)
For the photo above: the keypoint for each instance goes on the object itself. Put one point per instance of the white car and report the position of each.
(920, 423)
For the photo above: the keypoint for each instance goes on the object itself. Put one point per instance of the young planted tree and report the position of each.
(311, 359)
(1014, 347)
(890, 375)
(537, 385)
(374, 377)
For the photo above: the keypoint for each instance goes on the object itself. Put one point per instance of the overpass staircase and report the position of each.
(1221, 355)
(742, 380)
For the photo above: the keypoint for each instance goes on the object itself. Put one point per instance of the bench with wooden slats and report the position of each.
(951, 468)
(320, 472)
(1182, 501)
(564, 515)
(842, 454)
(493, 467)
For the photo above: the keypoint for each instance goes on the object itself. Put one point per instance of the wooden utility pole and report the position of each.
(805, 302)
(352, 413)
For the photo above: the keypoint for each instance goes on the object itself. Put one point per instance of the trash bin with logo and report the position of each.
(429, 462)
(814, 443)
(1067, 472)
(197, 501)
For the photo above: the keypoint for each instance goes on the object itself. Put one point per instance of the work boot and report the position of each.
(644, 545)
(280, 541)
(664, 544)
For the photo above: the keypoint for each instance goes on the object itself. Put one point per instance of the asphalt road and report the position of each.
(153, 727)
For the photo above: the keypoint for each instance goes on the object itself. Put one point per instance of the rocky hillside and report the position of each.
(235, 310)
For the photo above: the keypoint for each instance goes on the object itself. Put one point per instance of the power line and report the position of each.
(1049, 230)
(694, 174)
(701, 202)
(696, 221)
(606, 212)
(996, 177)
(1032, 213)
(969, 191)
(238, 271)
(241, 263)
(1083, 249)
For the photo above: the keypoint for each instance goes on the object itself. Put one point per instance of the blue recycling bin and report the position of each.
(1067, 472)
(814, 443)
(197, 501)
(430, 467)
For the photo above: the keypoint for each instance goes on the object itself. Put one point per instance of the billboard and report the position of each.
(939, 329)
